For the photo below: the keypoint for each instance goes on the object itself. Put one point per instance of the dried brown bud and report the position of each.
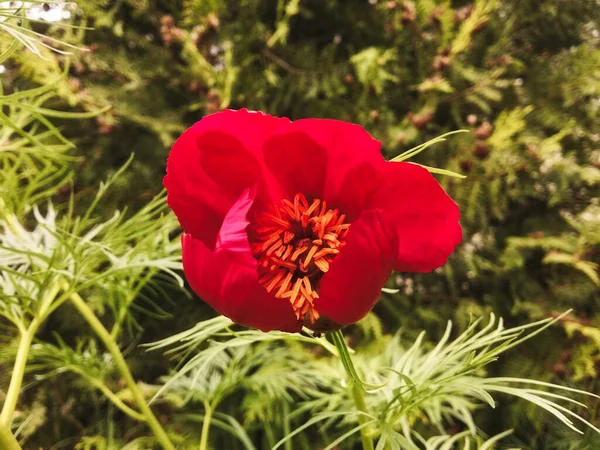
(466, 165)
(532, 151)
(484, 131)
(79, 67)
(462, 14)
(146, 194)
(420, 121)
(75, 84)
(177, 33)
(436, 14)
(167, 21)
(212, 107)
(374, 114)
(213, 21)
(410, 12)
(349, 79)
(566, 355)
(105, 125)
(559, 369)
(197, 34)
(481, 150)
(481, 26)
(64, 190)
(170, 34)
(213, 95)
(440, 62)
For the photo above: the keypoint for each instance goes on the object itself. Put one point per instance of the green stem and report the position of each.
(110, 395)
(206, 427)
(26, 338)
(116, 329)
(359, 402)
(286, 425)
(16, 379)
(115, 351)
(357, 391)
(7, 440)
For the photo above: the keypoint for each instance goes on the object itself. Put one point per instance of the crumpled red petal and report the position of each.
(212, 163)
(352, 286)
(424, 217)
(226, 278)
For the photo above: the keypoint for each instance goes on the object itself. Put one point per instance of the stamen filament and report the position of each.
(311, 253)
(294, 244)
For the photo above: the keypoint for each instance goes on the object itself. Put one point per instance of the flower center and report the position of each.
(294, 244)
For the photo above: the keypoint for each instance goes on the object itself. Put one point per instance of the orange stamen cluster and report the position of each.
(294, 244)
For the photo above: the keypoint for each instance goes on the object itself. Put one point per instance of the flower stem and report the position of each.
(115, 351)
(357, 390)
(206, 427)
(7, 440)
(359, 402)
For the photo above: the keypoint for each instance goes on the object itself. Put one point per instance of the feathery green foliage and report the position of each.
(85, 232)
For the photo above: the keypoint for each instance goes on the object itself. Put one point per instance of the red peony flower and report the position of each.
(300, 223)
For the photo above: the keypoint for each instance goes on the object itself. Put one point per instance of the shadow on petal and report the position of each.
(352, 286)
(424, 218)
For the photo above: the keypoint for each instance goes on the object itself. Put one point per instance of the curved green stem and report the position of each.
(110, 395)
(7, 440)
(26, 338)
(357, 390)
(206, 427)
(16, 379)
(115, 351)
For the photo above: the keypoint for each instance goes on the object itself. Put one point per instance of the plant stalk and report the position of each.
(16, 379)
(7, 440)
(359, 402)
(25, 340)
(357, 392)
(112, 396)
(205, 427)
(115, 351)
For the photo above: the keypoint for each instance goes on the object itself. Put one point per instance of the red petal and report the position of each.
(226, 278)
(212, 163)
(357, 189)
(423, 216)
(297, 162)
(353, 284)
(314, 156)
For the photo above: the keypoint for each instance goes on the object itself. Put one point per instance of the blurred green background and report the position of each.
(522, 75)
